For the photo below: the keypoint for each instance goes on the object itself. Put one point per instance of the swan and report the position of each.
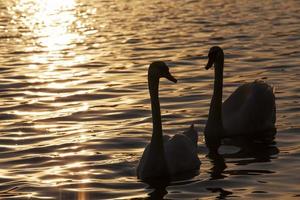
(166, 157)
(249, 112)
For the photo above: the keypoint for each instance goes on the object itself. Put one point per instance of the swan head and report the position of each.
(159, 69)
(215, 54)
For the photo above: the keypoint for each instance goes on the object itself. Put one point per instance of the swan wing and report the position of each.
(250, 109)
(181, 154)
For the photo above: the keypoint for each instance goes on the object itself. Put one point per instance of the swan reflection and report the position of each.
(158, 187)
(248, 154)
(222, 193)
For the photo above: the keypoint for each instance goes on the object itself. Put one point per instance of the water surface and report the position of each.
(75, 113)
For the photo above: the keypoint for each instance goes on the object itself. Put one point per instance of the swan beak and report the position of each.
(171, 78)
(209, 64)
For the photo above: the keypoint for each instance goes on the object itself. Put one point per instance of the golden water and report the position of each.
(75, 113)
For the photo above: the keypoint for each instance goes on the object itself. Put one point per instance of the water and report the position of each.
(75, 113)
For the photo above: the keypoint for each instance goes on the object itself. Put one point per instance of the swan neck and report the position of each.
(156, 140)
(215, 111)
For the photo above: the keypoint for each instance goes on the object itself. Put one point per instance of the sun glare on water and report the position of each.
(53, 24)
(52, 31)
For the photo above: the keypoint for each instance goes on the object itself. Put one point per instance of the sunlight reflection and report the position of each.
(53, 28)
(74, 165)
(50, 21)
(79, 153)
(81, 194)
(53, 31)
(40, 115)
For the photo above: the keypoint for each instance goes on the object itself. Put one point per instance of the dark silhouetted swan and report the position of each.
(249, 112)
(166, 157)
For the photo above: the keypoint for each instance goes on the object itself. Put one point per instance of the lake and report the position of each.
(75, 111)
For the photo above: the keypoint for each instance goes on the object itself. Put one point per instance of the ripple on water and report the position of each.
(75, 110)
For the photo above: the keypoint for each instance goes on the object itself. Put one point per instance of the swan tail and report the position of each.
(192, 134)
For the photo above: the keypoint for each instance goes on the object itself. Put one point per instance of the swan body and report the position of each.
(164, 156)
(249, 112)
(180, 153)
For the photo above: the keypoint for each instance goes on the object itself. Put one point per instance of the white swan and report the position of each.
(166, 157)
(249, 112)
